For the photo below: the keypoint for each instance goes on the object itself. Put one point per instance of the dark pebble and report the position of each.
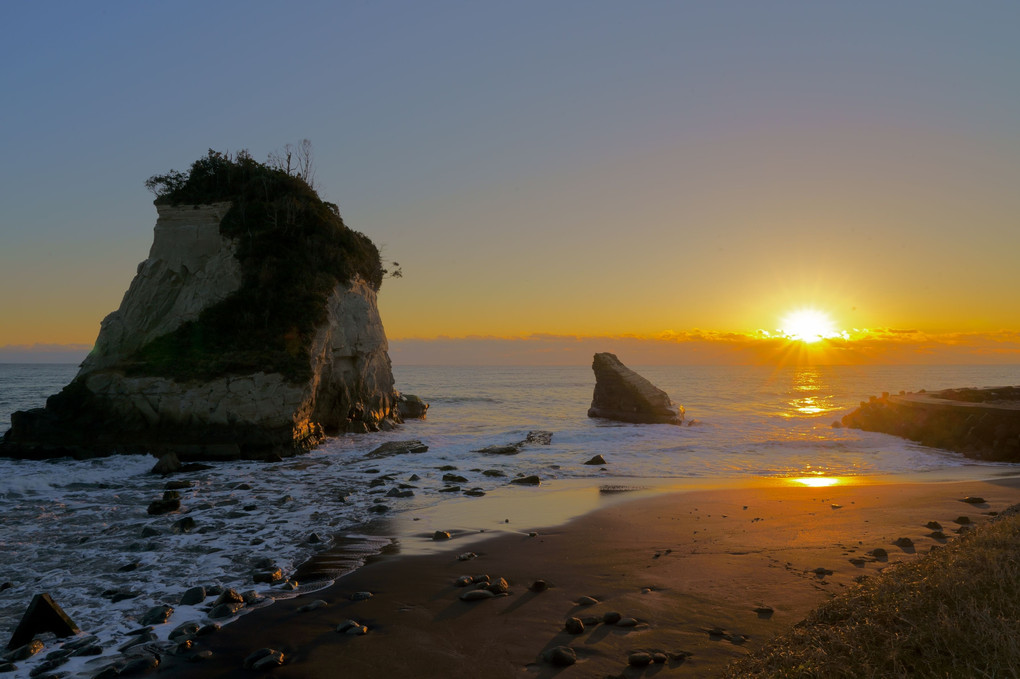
(562, 656)
(574, 626)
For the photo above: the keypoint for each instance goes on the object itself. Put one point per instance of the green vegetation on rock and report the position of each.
(293, 248)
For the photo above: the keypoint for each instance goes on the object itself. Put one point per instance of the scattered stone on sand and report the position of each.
(352, 627)
(934, 525)
(879, 553)
(379, 508)
(6, 667)
(973, 500)
(533, 534)
(531, 480)
(139, 666)
(185, 629)
(263, 659)
(474, 492)
(611, 617)
(627, 622)
(938, 535)
(225, 610)
(315, 605)
(25, 651)
(192, 596)
(561, 656)
(499, 586)
(42, 615)
(857, 561)
(962, 520)
(639, 659)
(400, 493)
(205, 630)
(764, 611)
(835, 506)
(361, 596)
(157, 615)
(464, 581)
(659, 657)
(493, 473)
(539, 586)
(271, 576)
(574, 626)
(441, 535)
(821, 572)
(904, 543)
(597, 460)
(587, 601)
(466, 556)
(450, 489)
(476, 595)
(481, 577)
(229, 596)
(454, 478)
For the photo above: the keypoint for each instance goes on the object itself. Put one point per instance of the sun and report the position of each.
(808, 325)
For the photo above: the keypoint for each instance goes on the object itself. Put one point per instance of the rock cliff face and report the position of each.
(621, 394)
(123, 402)
(191, 266)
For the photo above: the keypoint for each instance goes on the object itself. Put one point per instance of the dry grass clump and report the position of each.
(954, 612)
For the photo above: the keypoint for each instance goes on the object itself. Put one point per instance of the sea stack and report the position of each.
(621, 394)
(249, 332)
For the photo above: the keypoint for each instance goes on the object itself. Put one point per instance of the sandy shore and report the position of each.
(691, 567)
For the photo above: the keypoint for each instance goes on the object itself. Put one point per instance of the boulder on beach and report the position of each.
(623, 395)
(42, 615)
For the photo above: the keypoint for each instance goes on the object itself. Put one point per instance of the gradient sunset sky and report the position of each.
(555, 178)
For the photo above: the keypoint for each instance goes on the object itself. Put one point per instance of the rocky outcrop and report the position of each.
(979, 423)
(167, 375)
(190, 267)
(621, 394)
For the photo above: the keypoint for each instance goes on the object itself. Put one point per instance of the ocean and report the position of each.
(74, 529)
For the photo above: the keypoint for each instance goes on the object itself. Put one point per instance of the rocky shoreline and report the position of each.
(980, 423)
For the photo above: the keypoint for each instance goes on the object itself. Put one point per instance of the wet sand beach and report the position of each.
(704, 575)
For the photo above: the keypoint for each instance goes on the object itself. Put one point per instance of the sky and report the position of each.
(672, 179)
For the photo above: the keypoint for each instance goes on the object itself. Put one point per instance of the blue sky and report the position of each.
(573, 168)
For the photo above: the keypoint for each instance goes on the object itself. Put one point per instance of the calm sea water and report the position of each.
(67, 527)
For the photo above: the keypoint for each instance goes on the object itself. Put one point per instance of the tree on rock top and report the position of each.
(294, 249)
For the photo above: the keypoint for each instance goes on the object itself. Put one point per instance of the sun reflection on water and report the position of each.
(819, 481)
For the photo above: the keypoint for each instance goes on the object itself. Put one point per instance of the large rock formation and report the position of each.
(621, 394)
(250, 331)
(979, 423)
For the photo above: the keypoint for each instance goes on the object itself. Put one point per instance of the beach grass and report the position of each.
(954, 612)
